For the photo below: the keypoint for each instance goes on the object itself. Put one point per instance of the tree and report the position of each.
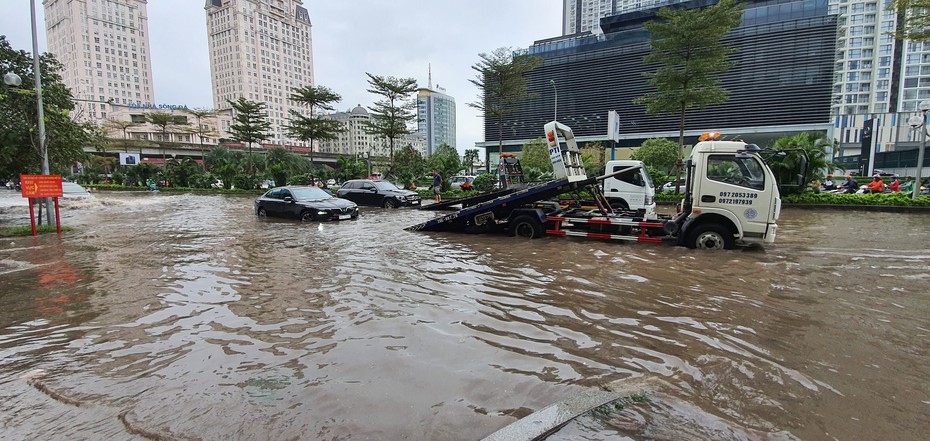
(281, 164)
(502, 83)
(409, 165)
(445, 160)
(536, 155)
(391, 115)
(314, 127)
(469, 159)
(913, 19)
(251, 125)
(592, 155)
(200, 130)
(687, 45)
(659, 153)
(19, 145)
(181, 173)
(352, 168)
(120, 125)
(164, 121)
(786, 167)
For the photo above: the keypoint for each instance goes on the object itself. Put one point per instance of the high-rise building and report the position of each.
(260, 50)
(103, 46)
(583, 16)
(435, 117)
(355, 140)
(781, 85)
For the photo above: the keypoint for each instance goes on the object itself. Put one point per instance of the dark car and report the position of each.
(377, 193)
(304, 203)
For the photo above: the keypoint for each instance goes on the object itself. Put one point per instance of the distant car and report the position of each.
(304, 203)
(461, 182)
(670, 186)
(377, 193)
(72, 190)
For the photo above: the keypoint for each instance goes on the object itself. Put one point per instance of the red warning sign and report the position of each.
(41, 186)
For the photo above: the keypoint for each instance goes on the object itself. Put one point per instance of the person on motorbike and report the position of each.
(828, 184)
(849, 185)
(876, 186)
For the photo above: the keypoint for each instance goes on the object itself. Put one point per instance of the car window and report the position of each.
(310, 194)
(384, 185)
(367, 186)
(274, 194)
(285, 193)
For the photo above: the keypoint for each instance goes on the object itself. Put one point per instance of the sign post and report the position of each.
(613, 132)
(41, 186)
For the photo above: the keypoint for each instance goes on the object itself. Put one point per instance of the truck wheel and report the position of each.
(711, 237)
(526, 226)
(619, 205)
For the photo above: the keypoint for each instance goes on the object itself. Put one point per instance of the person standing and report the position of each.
(437, 185)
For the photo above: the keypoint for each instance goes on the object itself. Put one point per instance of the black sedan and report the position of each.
(377, 193)
(304, 203)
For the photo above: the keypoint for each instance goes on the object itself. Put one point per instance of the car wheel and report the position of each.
(526, 226)
(711, 237)
(390, 203)
(306, 215)
(261, 212)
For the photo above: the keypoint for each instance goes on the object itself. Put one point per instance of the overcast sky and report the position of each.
(400, 38)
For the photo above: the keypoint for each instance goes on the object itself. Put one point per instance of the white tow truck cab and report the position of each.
(631, 189)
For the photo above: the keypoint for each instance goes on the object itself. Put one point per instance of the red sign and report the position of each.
(41, 186)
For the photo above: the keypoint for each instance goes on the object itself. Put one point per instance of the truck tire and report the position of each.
(526, 226)
(619, 204)
(711, 237)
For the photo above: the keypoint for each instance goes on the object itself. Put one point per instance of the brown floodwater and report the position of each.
(187, 317)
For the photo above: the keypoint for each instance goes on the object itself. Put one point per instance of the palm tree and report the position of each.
(786, 167)
(201, 131)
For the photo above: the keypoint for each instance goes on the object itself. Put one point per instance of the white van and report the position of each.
(631, 190)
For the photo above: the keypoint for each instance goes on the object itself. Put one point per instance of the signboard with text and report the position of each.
(41, 186)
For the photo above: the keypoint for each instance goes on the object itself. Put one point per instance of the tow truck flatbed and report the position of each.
(485, 215)
(467, 201)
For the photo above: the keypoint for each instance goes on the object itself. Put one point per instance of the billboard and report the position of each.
(129, 159)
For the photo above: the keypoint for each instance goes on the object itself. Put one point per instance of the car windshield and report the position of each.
(309, 194)
(384, 185)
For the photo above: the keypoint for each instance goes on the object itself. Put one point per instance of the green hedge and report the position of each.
(887, 199)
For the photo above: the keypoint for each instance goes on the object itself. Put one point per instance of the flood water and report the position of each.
(187, 317)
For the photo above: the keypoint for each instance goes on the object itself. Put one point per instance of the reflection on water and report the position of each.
(184, 316)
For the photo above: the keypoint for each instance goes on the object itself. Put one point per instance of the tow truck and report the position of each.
(731, 198)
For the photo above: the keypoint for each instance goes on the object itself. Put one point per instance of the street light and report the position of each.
(555, 116)
(919, 122)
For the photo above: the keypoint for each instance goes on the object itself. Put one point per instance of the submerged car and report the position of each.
(377, 193)
(72, 190)
(304, 203)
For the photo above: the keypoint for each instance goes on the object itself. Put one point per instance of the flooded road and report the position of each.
(187, 317)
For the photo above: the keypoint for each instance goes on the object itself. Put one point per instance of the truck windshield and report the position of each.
(744, 172)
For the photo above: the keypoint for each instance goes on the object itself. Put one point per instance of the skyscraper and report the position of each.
(260, 50)
(435, 117)
(583, 16)
(103, 46)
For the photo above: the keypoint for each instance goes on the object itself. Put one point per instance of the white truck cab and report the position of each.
(732, 195)
(630, 190)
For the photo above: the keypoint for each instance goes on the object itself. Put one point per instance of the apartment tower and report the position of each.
(436, 117)
(583, 16)
(103, 46)
(260, 50)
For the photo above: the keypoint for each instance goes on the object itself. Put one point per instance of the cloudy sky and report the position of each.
(400, 38)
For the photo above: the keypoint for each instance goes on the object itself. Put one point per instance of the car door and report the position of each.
(288, 207)
(369, 194)
(737, 184)
(350, 191)
(272, 202)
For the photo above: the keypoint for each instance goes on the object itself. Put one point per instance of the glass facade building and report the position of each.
(435, 118)
(781, 81)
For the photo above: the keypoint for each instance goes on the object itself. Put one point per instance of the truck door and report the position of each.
(630, 186)
(736, 183)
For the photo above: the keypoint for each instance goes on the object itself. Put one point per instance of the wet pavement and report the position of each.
(186, 317)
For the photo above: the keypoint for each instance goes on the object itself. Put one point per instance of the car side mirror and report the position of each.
(373, 190)
(288, 199)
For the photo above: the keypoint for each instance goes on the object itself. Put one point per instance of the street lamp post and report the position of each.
(920, 122)
(38, 76)
(555, 113)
